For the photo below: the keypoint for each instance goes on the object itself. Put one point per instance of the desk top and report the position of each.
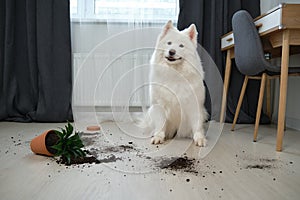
(283, 16)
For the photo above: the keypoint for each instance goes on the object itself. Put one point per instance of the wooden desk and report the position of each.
(281, 28)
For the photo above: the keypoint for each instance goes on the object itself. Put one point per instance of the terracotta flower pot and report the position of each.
(42, 144)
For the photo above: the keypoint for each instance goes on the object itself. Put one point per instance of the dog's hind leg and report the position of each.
(159, 120)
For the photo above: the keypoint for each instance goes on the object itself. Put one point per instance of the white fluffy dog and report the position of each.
(177, 92)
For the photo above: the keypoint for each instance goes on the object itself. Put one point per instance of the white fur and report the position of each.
(177, 92)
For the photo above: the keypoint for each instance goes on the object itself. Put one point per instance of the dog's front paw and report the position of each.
(201, 142)
(157, 140)
(200, 139)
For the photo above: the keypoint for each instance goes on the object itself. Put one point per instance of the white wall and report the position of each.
(293, 98)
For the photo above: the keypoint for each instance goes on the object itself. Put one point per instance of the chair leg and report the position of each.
(238, 108)
(269, 98)
(259, 105)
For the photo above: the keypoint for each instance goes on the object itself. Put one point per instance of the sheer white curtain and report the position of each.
(112, 41)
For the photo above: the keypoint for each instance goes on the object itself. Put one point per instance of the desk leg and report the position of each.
(226, 84)
(283, 88)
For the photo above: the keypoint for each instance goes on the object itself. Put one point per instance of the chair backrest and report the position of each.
(248, 50)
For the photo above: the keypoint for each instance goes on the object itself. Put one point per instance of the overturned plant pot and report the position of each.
(64, 143)
(43, 143)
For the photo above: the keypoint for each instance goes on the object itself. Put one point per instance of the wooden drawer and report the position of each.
(227, 41)
(269, 22)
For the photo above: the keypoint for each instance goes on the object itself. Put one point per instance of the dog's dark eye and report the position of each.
(181, 45)
(169, 43)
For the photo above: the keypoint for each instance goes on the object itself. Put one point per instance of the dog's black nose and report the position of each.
(172, 52)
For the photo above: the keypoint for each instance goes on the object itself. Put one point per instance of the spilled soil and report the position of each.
(246, 161)
(92, 156)
(184, 164)
(259, 166)
(101, 151)
(78, 160)
(87, 160)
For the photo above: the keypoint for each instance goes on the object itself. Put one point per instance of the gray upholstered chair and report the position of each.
(251, 62)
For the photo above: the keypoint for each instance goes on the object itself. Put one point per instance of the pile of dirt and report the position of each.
(78, 160)
(92, 156)
(184, 164)
(259, 166)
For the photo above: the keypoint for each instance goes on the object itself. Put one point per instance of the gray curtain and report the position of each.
(35, 61)
(213, 19)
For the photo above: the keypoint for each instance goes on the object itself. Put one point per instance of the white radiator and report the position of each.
(103, 80)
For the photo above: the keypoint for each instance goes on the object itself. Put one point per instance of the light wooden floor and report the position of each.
(229, 171)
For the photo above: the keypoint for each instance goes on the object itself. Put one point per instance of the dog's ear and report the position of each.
(192, 33)
(166, 29)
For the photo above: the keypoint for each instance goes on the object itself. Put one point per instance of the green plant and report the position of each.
(69, 145)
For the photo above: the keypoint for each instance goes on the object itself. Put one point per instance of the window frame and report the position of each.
(86, 13)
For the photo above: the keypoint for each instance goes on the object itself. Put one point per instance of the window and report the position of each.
(73, 8)
(125, 10)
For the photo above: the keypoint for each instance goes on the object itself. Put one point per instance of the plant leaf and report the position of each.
(70, 145)
(59, 134)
